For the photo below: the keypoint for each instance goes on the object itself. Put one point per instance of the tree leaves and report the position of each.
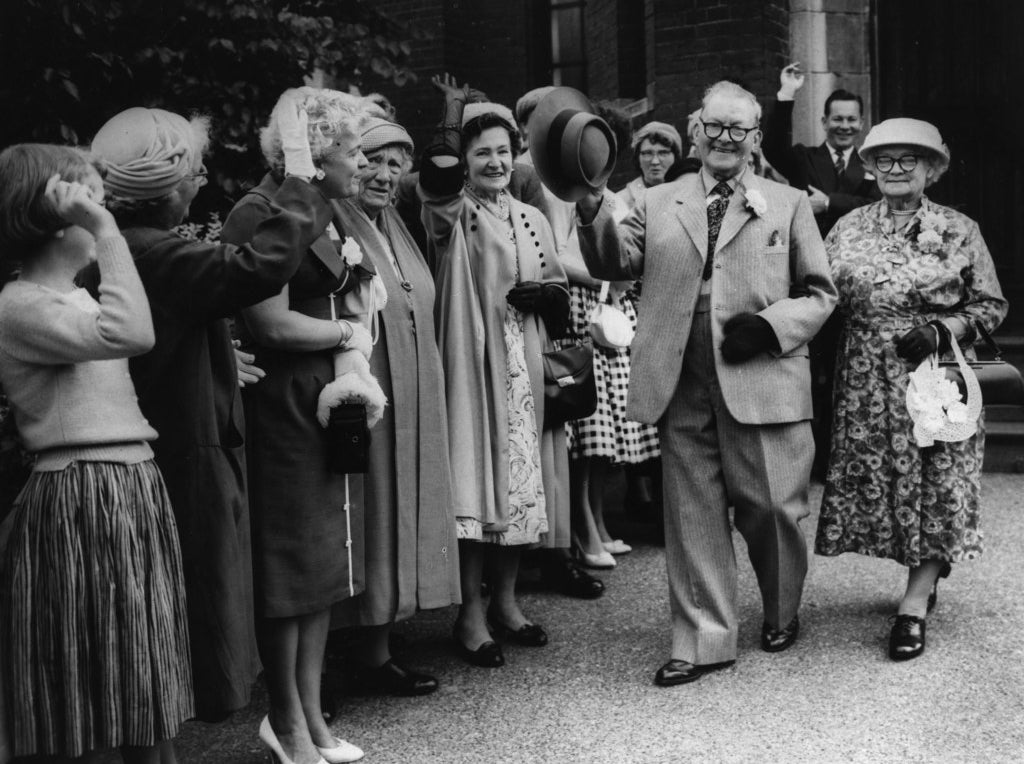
(69, 65)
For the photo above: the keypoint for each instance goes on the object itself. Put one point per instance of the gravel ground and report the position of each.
(835, 696)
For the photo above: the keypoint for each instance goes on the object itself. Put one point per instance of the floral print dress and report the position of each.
(884, 495)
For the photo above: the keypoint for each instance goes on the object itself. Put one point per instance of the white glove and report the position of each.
(293, 124)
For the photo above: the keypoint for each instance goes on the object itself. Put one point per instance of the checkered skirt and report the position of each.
(607, 432)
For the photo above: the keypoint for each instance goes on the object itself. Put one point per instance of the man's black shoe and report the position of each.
(777, 640)
(683, 672)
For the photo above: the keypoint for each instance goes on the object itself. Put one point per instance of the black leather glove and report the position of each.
(549, 300)
(746, 335)
(917, 344)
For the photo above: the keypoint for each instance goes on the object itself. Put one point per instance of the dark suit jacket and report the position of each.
(814, 165)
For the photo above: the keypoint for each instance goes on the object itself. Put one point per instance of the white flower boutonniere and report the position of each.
(351, 253)
(756, 202)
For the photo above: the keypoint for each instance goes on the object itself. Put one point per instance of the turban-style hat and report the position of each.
(148, 152)
(378, 133)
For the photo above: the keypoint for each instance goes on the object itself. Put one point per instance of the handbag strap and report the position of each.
(603, 297)
(984, 334)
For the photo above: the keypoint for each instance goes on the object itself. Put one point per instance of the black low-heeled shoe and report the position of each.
(392, 678)
(488, 655)
(934, 596)
(529, 634)
(906, 640)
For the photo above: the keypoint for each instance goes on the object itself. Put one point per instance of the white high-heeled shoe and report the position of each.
(342, 753)
(269, 739)
(600, 561)
(617, 546)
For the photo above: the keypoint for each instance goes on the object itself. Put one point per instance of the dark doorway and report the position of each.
(959, 65)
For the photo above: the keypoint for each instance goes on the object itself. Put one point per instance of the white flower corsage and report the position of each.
(351, 253)
(756, 202)
(934, 232)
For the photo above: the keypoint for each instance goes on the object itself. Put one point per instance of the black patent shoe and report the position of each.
(571, 580)
(488, 655)
(777, 640)
(934, 596)
(392, 678)
(677, 672)
(906, 640)
(529, 634)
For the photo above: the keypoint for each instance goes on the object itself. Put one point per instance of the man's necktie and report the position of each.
(840, 165)
(716, 211)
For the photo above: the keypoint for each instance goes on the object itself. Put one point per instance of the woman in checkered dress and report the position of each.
(606, 437)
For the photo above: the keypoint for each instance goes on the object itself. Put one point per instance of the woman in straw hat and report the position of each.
(411, 555)
(502, 296)
(93, 635)
(913, 276)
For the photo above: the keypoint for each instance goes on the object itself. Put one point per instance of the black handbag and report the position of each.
(348, 439)
(569, 388)
(1001, 383)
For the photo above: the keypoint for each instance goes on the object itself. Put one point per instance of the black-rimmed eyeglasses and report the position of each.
(714, 130)
(907, 162)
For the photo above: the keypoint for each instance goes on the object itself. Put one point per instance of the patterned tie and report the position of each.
(840, 165)
(716, 211)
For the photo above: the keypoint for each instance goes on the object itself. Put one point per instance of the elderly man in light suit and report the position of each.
(735, 284)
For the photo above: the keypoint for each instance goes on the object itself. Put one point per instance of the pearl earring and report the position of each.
(320, 174)
(59, 234)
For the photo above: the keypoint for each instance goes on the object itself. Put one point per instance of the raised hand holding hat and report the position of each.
(293, 123)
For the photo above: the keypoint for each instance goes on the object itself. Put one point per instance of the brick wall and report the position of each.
(697, 43)
(499, 46)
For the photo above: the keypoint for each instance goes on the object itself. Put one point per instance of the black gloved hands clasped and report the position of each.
(549, 300)
(746, 335)
(921, 341)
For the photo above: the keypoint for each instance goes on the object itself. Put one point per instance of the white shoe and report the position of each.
(342, 753)
(600, 561)
(617, 546)
(269, 739)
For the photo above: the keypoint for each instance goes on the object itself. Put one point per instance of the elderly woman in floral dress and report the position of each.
(912, 275)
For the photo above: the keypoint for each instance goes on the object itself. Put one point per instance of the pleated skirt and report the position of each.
(93, 627)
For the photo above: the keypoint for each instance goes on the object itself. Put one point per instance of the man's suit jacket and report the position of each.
(815, 165)
(760, 260)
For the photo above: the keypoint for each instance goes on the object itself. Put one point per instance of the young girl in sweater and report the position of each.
(93, 639)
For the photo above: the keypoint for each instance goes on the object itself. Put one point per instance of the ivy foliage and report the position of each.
(66, 66)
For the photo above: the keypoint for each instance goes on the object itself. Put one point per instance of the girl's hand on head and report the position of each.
(74, 204)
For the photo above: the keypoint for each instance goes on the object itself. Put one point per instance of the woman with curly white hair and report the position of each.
(307, 534)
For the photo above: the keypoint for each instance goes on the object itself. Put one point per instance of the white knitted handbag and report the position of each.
(935, 404)
(609, 326)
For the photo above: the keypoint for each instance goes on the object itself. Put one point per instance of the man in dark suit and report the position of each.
(832, 173)
(836, 182)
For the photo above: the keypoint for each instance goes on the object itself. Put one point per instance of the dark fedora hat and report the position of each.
(573, 149)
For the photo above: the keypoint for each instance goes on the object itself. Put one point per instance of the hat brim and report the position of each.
(560, 109)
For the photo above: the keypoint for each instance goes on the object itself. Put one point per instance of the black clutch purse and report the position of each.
(569, 388)
(1001, 383)
(348, 439)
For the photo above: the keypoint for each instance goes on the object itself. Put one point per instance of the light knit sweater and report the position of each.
(64, 364)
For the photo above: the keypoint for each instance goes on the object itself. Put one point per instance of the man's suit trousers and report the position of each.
(712, 462)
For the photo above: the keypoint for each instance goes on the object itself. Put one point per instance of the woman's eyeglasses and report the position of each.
(907, 162)
(714, 130)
